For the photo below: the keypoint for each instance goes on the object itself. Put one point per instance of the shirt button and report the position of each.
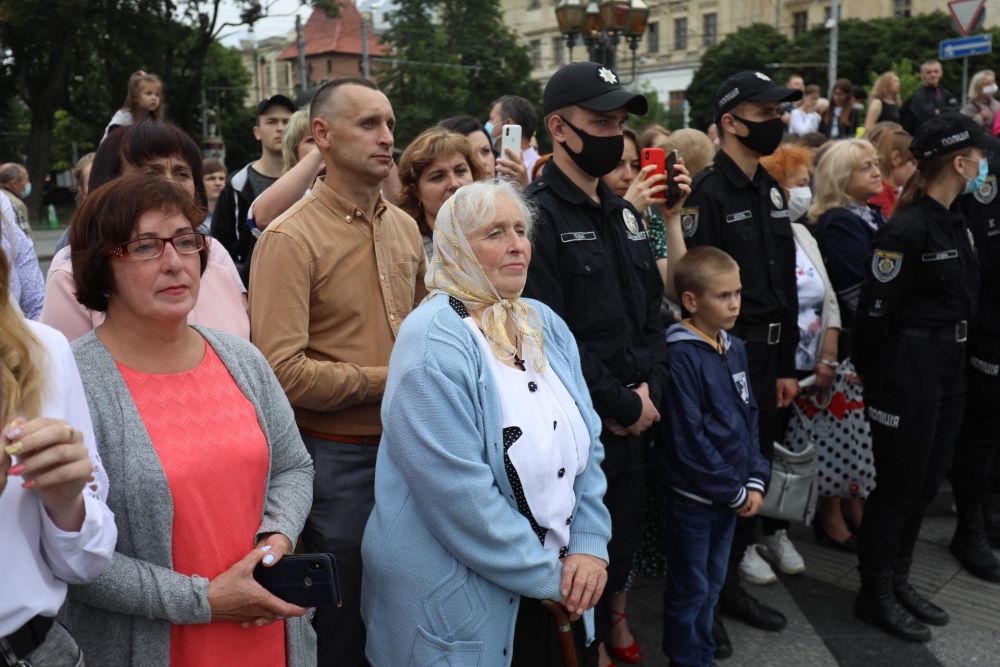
(569, 520)
(532, 387)
(586, 267)
(347, 218)
(562, 472)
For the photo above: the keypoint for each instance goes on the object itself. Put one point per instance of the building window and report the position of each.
(329, 65)
(536, 52)
(558, 51)
(800, 23)
(534, 4)
(676, 100)
(902, 9)
(680, 34)
(653, 38)
(709, 29)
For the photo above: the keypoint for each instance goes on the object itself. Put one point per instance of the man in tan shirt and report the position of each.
(331, 281)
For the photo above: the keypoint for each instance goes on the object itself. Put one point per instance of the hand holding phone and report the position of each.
(510, 137)
(664, 164)
(306, 580)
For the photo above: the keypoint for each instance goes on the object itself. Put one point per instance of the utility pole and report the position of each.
(834, 32)
(256, 65)
(300, 44)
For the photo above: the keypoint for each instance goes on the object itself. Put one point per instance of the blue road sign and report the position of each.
(963, 47)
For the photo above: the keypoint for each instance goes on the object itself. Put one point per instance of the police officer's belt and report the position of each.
(759, 333)
(957, 332)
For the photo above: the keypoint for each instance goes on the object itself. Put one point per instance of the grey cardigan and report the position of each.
(124, 616)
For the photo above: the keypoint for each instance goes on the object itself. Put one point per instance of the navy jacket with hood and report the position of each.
(711, 451)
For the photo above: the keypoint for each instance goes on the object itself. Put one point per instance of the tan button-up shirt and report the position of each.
(329, 289)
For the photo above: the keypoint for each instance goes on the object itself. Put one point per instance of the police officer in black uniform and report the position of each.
(592, 263)
(979, 439)
(910, 331)
(735, 205)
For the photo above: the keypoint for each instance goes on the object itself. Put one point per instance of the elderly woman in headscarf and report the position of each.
(488, 483)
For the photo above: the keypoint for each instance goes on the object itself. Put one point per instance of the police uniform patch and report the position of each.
(740, 380)
(987, 192)
(630, 222)
(776, 198)
(689, 221)
(886, 265)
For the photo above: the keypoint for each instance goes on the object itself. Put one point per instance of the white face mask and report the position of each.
(990, 89)
(799, 200)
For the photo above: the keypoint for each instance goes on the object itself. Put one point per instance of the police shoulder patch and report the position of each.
(886, 265)
(987, 192)
(776, 198)
(689, 221)
(630, 222)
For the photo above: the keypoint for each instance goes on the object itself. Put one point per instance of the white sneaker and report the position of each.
(755, 569)
(779, 550)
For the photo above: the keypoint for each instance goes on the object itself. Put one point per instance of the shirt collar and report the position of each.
(341, 206)
(728, 168)
(566, 189)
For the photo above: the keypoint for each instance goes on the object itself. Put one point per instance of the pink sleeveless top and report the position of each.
(216, 461)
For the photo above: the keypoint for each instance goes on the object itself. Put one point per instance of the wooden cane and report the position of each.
(563, 624)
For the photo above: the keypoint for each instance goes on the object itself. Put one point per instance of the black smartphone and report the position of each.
(308, 580)
(673, 193)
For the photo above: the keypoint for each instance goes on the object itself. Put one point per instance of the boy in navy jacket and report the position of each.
(712, 465)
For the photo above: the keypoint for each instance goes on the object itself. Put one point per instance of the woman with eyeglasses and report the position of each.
(209, 476)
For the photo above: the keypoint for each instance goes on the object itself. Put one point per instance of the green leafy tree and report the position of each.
(657, 112)
(426, 81)
(502, 69)
(754, 47)
(909, 80)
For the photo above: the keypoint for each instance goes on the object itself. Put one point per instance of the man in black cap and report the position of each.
(735, 205)
(592, 263)
(229, 220)
(910, 334)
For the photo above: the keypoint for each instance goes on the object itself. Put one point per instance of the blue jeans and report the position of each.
(697, 538)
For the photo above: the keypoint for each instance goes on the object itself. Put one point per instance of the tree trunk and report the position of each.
(39, 143)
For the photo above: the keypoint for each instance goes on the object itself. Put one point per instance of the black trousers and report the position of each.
(979, 439)
(623, 466)
(763, 361)
(914, 398)
(343, 497)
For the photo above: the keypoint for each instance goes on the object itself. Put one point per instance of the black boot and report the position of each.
(991, 517)
(736, 602)
(723, 647)
(876, 604)
(922, 608)
(969, 545)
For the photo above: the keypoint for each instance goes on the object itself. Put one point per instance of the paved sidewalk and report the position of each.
(822, 630)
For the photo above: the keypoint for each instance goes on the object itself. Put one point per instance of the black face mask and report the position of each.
(765, 136)
(599, 155)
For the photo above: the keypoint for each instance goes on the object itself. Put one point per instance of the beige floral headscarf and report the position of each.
(455, 271)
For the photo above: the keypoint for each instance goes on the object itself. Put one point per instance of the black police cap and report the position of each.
(948, 133)
(751, 87)
(591, 86)
(275, 101)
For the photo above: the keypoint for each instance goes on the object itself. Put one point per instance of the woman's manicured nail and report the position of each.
(30, 484)
(268, 559)
(13, 433)
(267, 548)
(17, 470)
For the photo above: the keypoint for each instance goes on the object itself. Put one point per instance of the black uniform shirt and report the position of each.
(592, 264)
(982, 212)
(750, 221)
(923, 274)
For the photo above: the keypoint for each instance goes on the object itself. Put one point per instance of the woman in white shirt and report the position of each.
(805, 118)
(55, 528)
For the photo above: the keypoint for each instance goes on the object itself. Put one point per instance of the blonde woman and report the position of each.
(895, 161)
(982, 105)
(884, 104)
(56, 527)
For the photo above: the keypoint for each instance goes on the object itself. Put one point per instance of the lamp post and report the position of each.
(601, 25)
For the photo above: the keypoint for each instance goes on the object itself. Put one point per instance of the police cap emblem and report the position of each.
(988, 191)
(630, 222)
(886, 265)
(776, 198)
(689, 221)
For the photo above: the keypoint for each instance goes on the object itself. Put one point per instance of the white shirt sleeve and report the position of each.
(75, 557)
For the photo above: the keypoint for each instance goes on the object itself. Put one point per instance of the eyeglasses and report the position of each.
(146, 248)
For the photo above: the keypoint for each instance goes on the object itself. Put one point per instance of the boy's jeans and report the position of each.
(696, 541)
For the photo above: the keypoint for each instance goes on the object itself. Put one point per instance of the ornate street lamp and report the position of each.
(602, 25)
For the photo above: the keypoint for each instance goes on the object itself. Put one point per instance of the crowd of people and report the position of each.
(488, 381)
